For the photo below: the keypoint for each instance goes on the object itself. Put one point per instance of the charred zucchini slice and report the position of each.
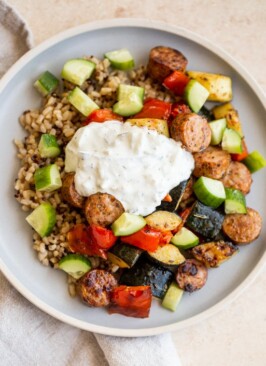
(206, 113)
(147, 273)
(124, 255)
(204, 220)
(167, 256)
(163, 220)
(213, 254)
(176, 195)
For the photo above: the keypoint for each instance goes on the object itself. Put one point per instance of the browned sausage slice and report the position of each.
(237, 176)
(95, 287)
(214, 253)
(212, 163)
(69, 193)
(243, 228)
(102, 209)
(191, 275)
(163, 61)
(192, 130)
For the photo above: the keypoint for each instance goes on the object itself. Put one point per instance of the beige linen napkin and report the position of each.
(27, 335)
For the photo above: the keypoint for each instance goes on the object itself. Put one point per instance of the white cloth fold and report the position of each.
(147, 351)
(29, 337)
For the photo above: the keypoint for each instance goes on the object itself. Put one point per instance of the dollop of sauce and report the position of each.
(136, 165)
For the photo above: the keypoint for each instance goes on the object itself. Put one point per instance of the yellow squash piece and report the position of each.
(219, 86)
(227, 111)
(160, 125)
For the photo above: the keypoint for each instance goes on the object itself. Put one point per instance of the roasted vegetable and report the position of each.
(214, 253)
(163, 220)
(176, 82)
(204, 220)
(243, 154)
(155, 108)
(102, 115)
(219, 86)
(147, 273)
(124, 255)
(176, 196)
(230, 113)
(146, 239)
(90, 240)
(205, 112)
(159, 125)
(191, 275)
(167, 256)
(131, 301)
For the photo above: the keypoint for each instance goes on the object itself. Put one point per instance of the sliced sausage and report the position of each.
(212, 163)
(163, 61)
(95, 287)
(238, 176)
(69, 193)
(214, 253)
(102, 209)
(192, 130)
(191, 275)
(243, 228)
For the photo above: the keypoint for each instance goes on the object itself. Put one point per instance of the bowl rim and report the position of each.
(180, 31)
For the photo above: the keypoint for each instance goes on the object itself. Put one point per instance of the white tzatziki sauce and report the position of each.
(136, 165)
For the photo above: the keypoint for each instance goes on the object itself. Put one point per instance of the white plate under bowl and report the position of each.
(46, 288)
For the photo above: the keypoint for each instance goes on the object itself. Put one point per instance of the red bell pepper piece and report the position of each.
(243, 155)
(166, 237)
(146, 239)
(102, 237)
(79, 240)
(168, 198)
(176, 82)
(90, 240)
(179, 108)
(132, 301)
(184, 215)
(155, 108)
(102, 115)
